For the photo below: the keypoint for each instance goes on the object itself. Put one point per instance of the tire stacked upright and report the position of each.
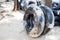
(38, 19)
(49, 19)
(35, 21)
(57, 17)
(56, 11)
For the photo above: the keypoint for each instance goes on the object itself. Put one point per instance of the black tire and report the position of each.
(39, 21)
(49, 19)
(24, 6)
(20, 4)
(57, 18)
(57, 24)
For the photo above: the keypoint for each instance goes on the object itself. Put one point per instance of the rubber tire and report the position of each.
(41, 21)
(49, 19)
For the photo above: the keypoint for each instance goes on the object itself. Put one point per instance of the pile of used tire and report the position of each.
(39, 19)
(56, 11)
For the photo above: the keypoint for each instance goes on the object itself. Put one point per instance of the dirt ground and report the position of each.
(12, 28)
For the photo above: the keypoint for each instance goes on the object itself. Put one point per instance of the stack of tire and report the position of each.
(57, 18)
(39, 19)
(56, 11)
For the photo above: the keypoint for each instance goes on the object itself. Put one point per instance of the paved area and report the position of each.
(12, 28)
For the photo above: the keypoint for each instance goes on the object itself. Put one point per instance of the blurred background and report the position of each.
(11, 20)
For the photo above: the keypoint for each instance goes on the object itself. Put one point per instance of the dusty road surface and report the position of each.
(12, 28)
